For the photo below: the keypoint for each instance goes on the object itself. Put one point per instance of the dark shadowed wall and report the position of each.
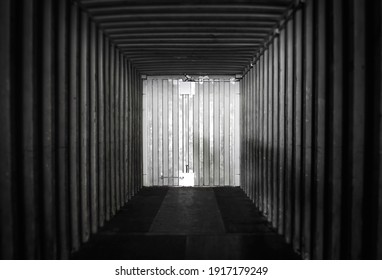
(311, 116)
(70, 114)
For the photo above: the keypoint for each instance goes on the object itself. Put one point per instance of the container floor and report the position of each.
(187, 223)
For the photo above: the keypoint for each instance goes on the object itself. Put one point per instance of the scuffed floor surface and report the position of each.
(187, 223)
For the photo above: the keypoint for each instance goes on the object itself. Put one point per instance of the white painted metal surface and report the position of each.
(194, 125)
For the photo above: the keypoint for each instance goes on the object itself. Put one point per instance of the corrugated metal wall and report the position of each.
(311, 127)
(70, 114)
(200, 129)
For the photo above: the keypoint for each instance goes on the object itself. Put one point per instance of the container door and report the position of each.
(191, 132)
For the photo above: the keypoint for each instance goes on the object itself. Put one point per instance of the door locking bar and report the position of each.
(180, 177)
(165, 177)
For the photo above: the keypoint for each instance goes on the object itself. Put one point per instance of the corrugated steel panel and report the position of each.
(316, 92)
(196, 129)
(61, 154)
(196, 37)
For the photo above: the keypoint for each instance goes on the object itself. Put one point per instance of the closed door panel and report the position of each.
(191, 127)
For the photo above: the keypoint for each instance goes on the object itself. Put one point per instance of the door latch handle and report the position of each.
(187, 169)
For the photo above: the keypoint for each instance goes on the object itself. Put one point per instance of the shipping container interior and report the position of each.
(274, 108)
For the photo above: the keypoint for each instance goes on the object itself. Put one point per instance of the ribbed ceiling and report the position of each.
(187, 37)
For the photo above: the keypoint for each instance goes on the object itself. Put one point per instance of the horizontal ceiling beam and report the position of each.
(189, 58)
(188, 55)
(192, 51)
(89, 4)
(190, 45)
(188, 41)
(225, 57)
(186, 17)
(169, 65)
(190, 63)
(188, 29)
(188, 35)
(216, 60)
(126, 8)
(189, 69)
(187, 23)
(149, 59)
(187, 52)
